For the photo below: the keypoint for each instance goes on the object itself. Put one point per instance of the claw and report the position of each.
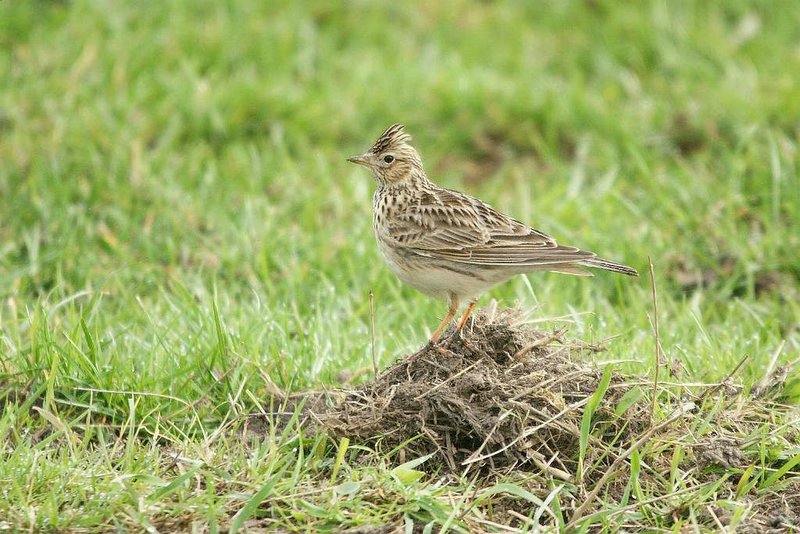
(444, 341)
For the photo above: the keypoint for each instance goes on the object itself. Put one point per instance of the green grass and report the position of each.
(181, 238)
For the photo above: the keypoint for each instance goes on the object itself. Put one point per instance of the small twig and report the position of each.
(449, 379)
(525, 519)
(547, 468)
(709, 392)
(549, 383)
(477, 457)
(486, 439)
(544, 340)
(497, 526)
(657, 340)
(372, 331)
(716, 519)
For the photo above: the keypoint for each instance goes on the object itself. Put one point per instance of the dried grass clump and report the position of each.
(511, 406)
(507, 400)
(501, 395)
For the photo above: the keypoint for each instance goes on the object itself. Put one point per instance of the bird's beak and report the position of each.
(360, 160)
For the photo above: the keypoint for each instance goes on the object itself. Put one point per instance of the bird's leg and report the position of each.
(451, 312)
(460, 324)
(467, 312)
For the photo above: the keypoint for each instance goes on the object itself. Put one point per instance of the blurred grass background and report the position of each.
(177, 218)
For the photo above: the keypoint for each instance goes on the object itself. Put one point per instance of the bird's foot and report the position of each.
(445, 341)
(436, 344)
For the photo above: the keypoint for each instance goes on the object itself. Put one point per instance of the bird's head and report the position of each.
(392, 160)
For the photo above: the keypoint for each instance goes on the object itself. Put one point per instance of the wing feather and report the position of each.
(452, 226)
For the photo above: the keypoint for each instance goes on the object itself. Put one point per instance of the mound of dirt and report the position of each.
(502, 394)
(506, 401)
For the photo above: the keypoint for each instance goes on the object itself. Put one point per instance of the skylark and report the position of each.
(450, 245)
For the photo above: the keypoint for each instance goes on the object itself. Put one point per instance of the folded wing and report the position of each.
(451, 226)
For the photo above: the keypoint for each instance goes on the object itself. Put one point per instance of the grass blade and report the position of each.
(255, 501)
(588, 414)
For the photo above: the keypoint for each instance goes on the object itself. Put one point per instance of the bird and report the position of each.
(449, 245)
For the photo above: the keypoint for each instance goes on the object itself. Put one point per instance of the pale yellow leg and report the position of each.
(451, 312)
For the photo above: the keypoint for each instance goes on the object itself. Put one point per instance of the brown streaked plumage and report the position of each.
(450, 245)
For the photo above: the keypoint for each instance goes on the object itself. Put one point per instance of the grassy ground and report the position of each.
(181, 238)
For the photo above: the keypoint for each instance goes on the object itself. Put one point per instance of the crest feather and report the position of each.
(393, 136)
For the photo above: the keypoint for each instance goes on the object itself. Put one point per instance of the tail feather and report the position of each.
(569, 268)
(600, 263)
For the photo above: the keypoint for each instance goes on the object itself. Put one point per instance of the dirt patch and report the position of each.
(505, 402)
(501, 395)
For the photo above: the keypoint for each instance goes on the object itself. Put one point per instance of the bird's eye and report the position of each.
(388, 158)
